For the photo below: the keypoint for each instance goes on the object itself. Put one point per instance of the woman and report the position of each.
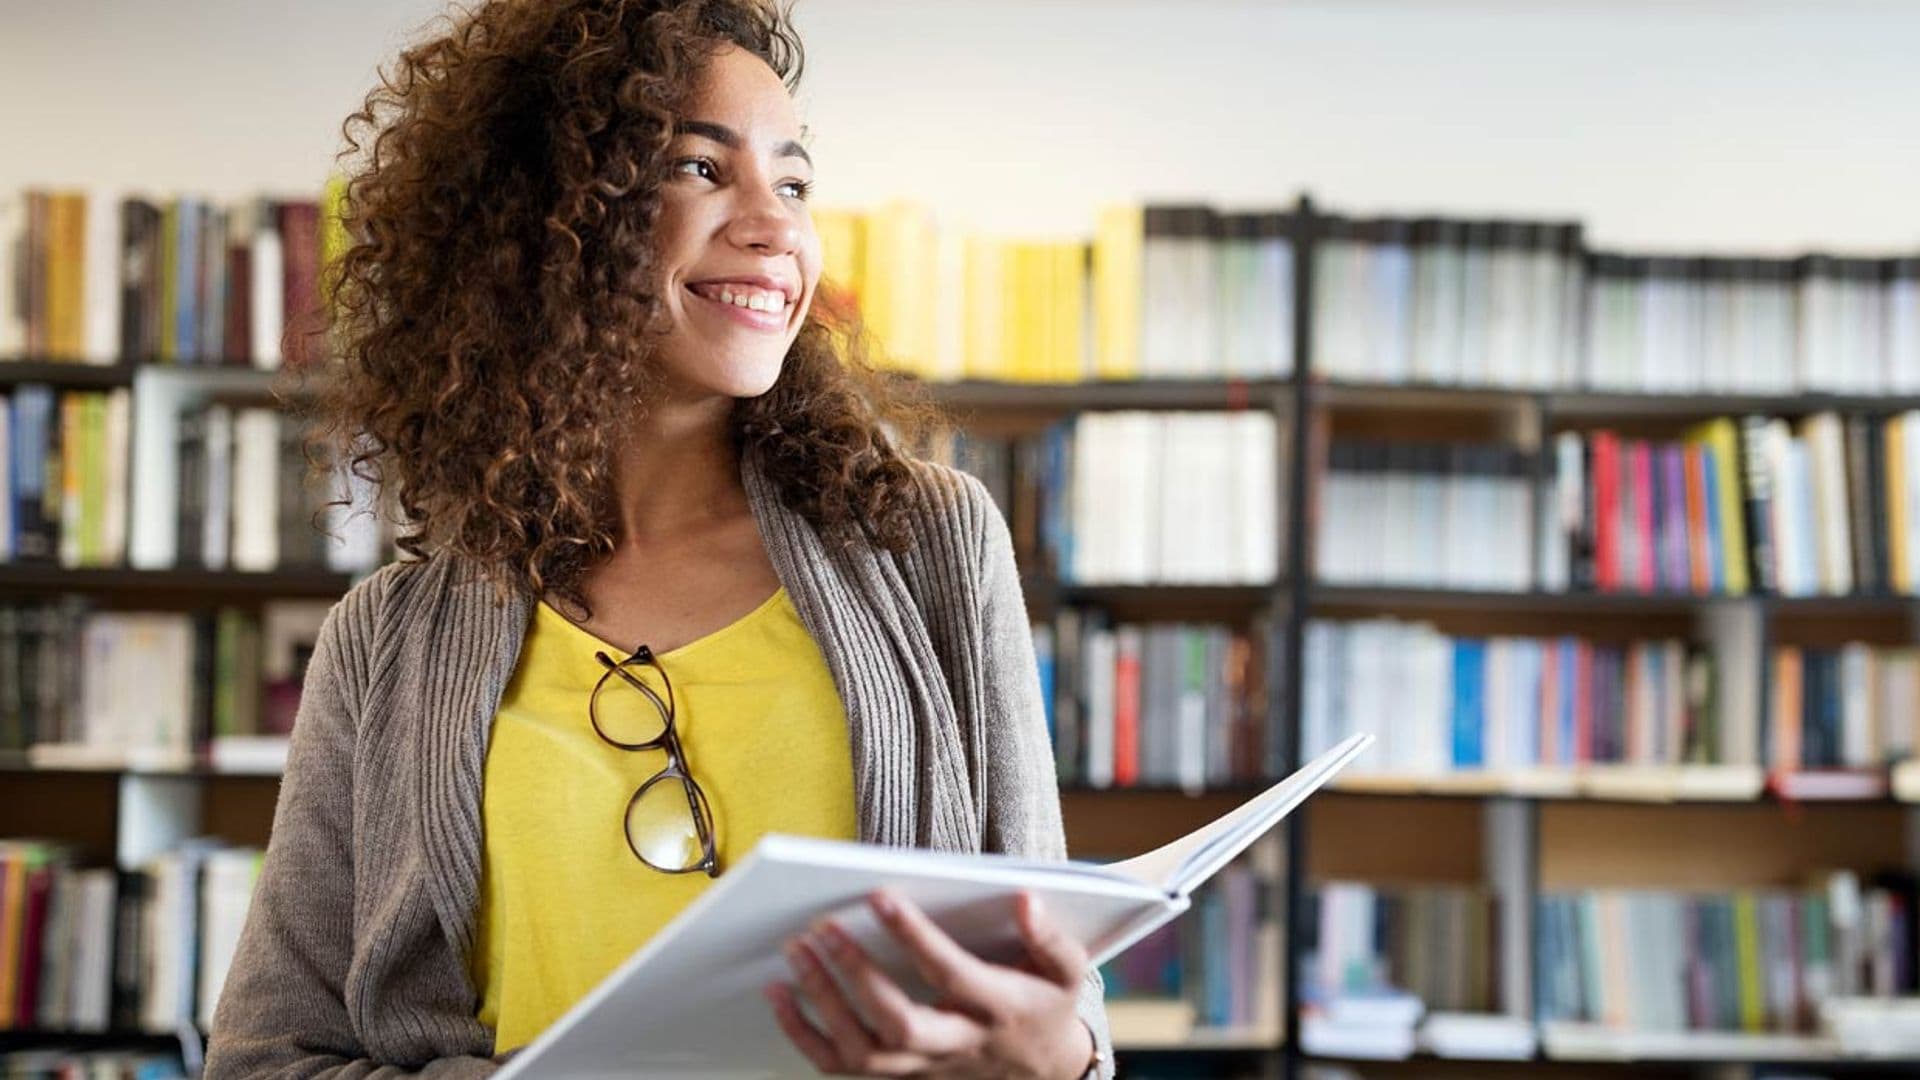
(671, 584)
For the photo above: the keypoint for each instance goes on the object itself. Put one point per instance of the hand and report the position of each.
(990, 1019)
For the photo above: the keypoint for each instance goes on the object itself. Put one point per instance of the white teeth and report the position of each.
(754, 299)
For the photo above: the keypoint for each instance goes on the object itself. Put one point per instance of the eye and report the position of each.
(796, 189)
(703, 168)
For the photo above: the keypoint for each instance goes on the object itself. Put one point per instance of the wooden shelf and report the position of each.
(1198, 393)
(18, 1039)
(65, 374)
(1588, 405)
(1343, 598)
(29, 577)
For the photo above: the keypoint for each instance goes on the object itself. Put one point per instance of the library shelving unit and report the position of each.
(1515, 836)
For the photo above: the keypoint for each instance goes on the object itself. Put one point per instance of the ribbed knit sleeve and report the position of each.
(282, 1010)
(1023, 793)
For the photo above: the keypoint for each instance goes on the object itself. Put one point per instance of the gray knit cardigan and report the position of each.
(353, 959)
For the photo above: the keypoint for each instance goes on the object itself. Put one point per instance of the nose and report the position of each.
(764, 226)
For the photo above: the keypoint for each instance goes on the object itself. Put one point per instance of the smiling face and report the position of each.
(736, 252)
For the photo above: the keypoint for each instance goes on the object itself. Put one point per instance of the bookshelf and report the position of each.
(1516, 834)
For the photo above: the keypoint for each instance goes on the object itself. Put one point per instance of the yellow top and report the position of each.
(562, 899)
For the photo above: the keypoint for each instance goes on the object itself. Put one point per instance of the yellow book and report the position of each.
(841, 257)
(93, 492)
(72, 408)
(1037, 305)
(1722, 437)
(13, 888)
(948, 304)
(920, 259)
(1895, 470)
(333, 235)
(1116, 291)
(1070, 311)
(72, 269)
(1037, 302)
(878, 278)
(65, 211)
(169, 254)
(983, 342)
(1746, 948)
(897, 274)
(1015, 285)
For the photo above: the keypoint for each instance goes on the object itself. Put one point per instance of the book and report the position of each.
(689, 1001)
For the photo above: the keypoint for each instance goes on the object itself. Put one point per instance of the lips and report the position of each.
(754, 303)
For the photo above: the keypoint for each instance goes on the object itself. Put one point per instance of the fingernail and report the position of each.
(885, 904)
(1034, 906)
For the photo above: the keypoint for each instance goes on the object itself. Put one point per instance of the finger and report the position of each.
(811, 1044)
(956, 974)
(898, 1022)
(849, 1037)
(853, 1045)
(1057, 957)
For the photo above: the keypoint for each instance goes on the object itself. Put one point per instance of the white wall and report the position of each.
(1709, 125)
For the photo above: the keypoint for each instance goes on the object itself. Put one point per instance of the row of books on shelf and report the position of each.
(1165, 290)
(1714, 325)
(1823, 506)
(1509, 705)
(1173, 290)
(1486, 303)
(1155, 703)
(1620, 973)
(1214, 969)
(240, 495)
(143, 948)
(1653, 718)
(1387, 971)
(1406, 513)
(1136, 496)
(87, 688)
(1516, 304)
(98, 275)
(1438, 942)
(1158, 291)
(1758, 960)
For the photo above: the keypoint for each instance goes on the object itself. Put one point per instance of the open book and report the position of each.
(688, 1002)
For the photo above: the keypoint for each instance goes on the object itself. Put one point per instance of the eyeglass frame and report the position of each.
(676, 767)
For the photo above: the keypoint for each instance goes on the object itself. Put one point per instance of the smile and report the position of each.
(754, 308)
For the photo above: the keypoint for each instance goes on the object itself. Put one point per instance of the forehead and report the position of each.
(739, 90)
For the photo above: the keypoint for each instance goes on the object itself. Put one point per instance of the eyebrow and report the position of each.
(731, 139)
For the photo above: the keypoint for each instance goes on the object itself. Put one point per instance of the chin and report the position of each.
(743, 378)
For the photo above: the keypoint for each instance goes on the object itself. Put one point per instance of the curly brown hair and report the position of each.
(492, 312)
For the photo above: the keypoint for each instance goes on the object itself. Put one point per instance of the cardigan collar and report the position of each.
(911, 783)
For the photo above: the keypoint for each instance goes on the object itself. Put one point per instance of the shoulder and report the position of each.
(364, 614)
(954, 506)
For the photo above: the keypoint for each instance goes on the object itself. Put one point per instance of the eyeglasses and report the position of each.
(669, 826)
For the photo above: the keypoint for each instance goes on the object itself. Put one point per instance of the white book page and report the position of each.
(1178, 867)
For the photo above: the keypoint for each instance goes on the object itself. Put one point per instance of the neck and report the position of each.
(677, 471)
